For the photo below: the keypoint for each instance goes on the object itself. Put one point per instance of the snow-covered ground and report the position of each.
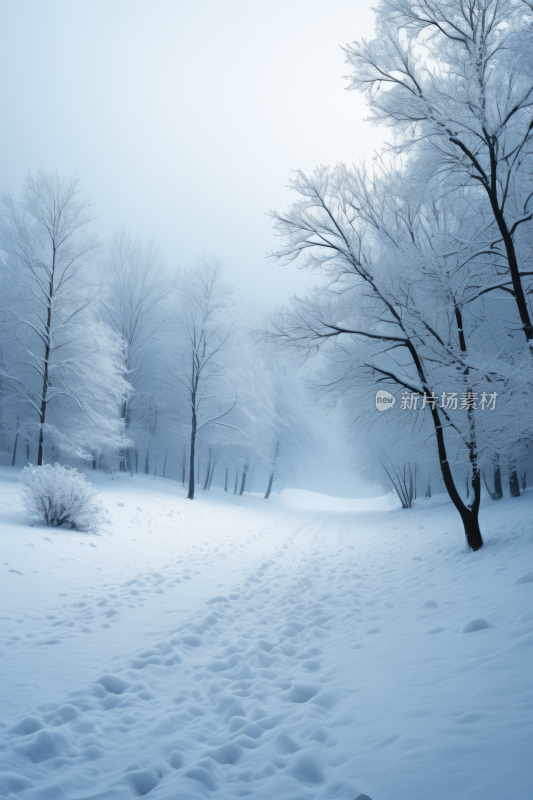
(304, 647)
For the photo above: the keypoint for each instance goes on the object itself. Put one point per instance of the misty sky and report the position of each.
(184, 120)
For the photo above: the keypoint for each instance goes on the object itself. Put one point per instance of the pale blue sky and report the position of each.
(184, 119)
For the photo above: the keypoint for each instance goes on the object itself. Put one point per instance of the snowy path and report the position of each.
(272, 652)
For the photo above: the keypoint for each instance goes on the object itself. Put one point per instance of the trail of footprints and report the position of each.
(238, 701)
(93, 611)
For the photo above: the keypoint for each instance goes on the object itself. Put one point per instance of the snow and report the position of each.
(313, 501)
(301, 647)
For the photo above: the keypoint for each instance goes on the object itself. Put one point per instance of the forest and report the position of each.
(423, 281)
(113, 361)
(266, 368)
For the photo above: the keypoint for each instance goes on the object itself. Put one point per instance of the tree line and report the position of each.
(111, 359)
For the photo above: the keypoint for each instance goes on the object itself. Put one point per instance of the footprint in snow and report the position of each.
(526, 578)
(475, 625)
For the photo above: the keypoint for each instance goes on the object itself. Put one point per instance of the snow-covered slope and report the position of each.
(234, 647)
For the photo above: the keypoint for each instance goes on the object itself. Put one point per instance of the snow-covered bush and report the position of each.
(60, 495)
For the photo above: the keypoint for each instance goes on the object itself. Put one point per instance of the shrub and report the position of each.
(60, 495)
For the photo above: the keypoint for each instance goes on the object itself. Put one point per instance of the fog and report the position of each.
(184, 121)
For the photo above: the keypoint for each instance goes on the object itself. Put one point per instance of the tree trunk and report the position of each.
(514, 484)
(94, 462)
(524, 476)
(243, 483)
(123, 453)
(269, 489)
(125, 460)
(136, 462)
(207, 473)
(498, 491)
(472, 531)
(40, 451)
(497, 494)
(514, 269)
(490, 184)
(226, 483)
(28, 452)
(412, 487)
(271, 479)
(15, 450)
(469, 514)
(492, 495)
(236, 481)
(155, 470)
(211, 475)
(42, 413)
(190, 495)
(147, 463)
(165, 463)
(183, 467)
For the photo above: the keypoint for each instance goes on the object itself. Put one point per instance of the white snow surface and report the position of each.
(301, 647)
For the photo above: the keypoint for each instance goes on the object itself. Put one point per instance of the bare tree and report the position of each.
(385, 290)
(197, 361)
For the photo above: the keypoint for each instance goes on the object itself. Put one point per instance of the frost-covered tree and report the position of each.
(138, 286)
(201, 332)
(389, 311)
(62, 360)
(454, 80)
